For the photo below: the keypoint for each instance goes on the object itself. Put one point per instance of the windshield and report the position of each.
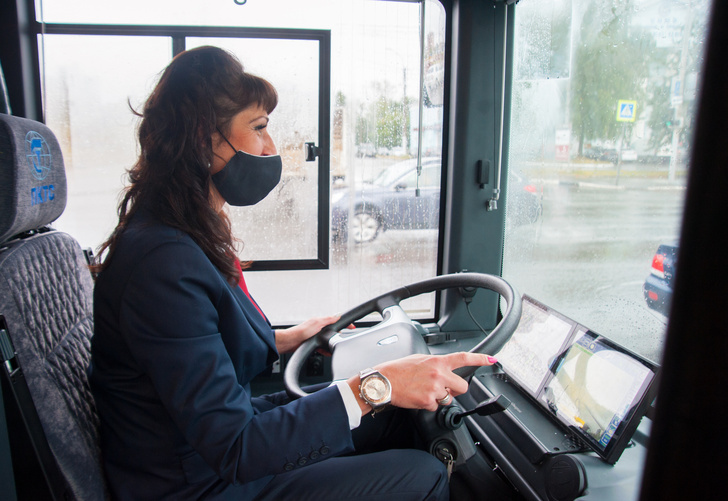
(604, 94)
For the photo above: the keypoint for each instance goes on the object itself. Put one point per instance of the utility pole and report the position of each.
(679, 96)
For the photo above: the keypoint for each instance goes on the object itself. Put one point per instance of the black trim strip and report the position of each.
(289, 264)
(177, 31)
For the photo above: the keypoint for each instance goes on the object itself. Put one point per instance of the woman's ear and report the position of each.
(215, 141)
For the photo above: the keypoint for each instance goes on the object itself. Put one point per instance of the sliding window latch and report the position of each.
(312, 151)
(483, 173)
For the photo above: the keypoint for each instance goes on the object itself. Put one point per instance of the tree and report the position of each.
(606, 70)
(679, 58)
(661, 116)
(385, 124)
(391, 124)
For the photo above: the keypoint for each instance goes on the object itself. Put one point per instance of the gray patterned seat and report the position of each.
(46, 312)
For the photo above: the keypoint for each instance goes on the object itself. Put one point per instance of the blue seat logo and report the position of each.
(38, 154)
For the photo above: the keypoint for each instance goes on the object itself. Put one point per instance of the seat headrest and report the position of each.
(32, 177)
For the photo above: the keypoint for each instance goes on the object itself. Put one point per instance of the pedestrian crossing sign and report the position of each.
(626, 111)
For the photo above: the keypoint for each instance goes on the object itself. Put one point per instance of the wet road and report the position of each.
(590, 253)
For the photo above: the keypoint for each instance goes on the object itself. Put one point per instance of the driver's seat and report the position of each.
(46, 318)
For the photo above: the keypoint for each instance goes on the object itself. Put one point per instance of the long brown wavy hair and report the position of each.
(199, 93)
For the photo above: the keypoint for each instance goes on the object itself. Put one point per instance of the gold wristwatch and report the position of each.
(375, 389)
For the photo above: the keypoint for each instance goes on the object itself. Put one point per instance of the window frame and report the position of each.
(178, 36)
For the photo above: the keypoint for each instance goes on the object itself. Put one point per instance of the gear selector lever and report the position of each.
(452, 418)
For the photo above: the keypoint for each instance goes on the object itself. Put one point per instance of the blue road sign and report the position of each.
(626, 111)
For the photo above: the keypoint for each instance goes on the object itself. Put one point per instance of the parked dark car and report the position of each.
(658, 285)
(610, 154)
(397, 199)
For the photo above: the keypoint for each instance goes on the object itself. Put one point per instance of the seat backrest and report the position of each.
(46, 300)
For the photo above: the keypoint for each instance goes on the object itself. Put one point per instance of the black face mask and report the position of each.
(247, 179)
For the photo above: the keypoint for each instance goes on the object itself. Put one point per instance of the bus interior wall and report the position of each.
(687, 452)
(687, 456)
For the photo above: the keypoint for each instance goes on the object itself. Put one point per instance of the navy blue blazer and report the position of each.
(175, 347)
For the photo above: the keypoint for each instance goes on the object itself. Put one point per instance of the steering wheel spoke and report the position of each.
(392, 316)
(394, 337)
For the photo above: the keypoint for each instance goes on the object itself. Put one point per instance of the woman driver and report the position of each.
(178, 339)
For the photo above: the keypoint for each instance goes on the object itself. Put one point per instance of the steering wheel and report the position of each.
(396, 336)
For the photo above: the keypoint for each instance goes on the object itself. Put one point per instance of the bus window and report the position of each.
(283, 226)
(386, 114)
(602, 114)
(87, 107)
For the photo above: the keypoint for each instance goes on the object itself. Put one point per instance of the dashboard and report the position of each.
(573, 421)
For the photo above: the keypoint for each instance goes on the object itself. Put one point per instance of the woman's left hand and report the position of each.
(287, 340)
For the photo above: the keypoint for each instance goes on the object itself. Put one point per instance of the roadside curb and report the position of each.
(667, 188)
(604, 186)
(581, 184)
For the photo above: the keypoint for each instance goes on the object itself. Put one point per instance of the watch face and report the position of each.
(375, 389)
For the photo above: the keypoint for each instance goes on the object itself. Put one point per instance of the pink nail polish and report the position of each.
(492, 360)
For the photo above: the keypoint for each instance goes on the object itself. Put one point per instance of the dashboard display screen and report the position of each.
(596, 388)
(591, 385)
(541, 336)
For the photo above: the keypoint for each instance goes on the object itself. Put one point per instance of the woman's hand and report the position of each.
(287, 340)
(420, 381)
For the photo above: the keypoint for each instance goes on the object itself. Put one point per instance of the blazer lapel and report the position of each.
(260, 324)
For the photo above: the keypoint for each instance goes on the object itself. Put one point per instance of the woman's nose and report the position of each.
(269, 148)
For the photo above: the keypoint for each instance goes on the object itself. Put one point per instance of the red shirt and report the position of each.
(243, 285)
